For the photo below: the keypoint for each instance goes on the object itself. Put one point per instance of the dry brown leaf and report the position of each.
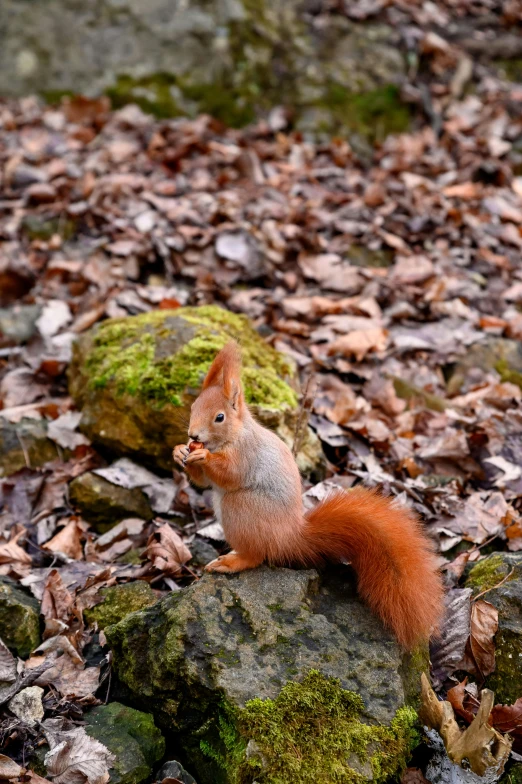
(479, 658)
(69, 539)
(167, 551)
(75, 757)
(463, 702)
(14, 560)
(57, 601)
(359, 343)
(9, 769)
(72, 680)
(479, 744)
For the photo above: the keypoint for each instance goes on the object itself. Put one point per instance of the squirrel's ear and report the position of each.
(225, 371)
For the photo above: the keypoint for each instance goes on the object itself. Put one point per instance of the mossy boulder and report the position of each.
(273, 675)
(135, 378)
(233, 60)
(19, 619)
(119, 601)
(104, 504)
(492, 353)
(506, 681)
(133, 738)
(24, 444)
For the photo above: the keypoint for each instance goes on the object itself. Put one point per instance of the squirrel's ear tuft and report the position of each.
(225, 371)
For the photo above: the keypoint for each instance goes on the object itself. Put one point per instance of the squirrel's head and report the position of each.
(217, 415)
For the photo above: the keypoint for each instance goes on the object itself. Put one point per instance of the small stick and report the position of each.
(506, 578)
(304, 410)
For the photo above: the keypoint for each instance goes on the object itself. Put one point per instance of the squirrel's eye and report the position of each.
(220, 418)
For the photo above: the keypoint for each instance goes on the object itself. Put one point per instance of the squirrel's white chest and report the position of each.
(217, 500)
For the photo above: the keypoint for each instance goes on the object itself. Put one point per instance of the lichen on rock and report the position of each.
(135, 378)
(220, 664)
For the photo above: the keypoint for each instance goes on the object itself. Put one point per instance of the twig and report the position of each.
(506, 578)
(24, 450)
(304, 411)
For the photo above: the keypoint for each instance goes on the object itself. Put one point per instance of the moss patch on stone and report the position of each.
(311, 732)
(372, 114)
(119, 601)
(133, 738)
(507, 373)
(124, 354)
(487, 574)
(19, 619)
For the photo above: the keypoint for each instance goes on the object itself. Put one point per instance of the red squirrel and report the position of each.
(257, 499)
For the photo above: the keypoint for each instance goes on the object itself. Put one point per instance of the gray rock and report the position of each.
(227, 57)
(198, 658)
(506, 681)
(18, 323)
(202, 552)
(173, 770)
(19, 619)
(24, 444)
(131, 736)
(104, 504)
(135, 379)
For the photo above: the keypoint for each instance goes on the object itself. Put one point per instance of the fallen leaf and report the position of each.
(72, 680)
(166, 551)
(57, 601)
(462, 702)
(69, 540)
(62, 430)
(479, 657)
(359, 343)
(55, 315)
(8, 669)
(9, 769)
(447, 650)
(75, 757)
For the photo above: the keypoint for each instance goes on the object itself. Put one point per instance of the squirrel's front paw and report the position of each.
(180, 454)
(197, 456)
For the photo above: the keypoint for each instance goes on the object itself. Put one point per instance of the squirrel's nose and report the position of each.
(193, 437)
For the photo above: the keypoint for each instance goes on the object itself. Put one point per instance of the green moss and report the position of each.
(119, 601)
(486, 574)
(507, 374)
(133, 738)
(407, 391)
(155, 94)
(310, 733)
(19, 619)
(512, 68)
(372, 114)
(125, 354)
(506, 680)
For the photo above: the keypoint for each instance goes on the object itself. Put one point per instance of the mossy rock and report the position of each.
(104, 504)
(135, 378)
(131, 736)
(19, 619)
(119, 601)
(233, 60)
(273, 675)
(500, 354)
(506, 681)
(24, 444)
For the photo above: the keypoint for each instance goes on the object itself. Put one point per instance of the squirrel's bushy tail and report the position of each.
(394, 560)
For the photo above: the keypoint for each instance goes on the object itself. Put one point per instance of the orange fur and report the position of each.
(257, 497)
